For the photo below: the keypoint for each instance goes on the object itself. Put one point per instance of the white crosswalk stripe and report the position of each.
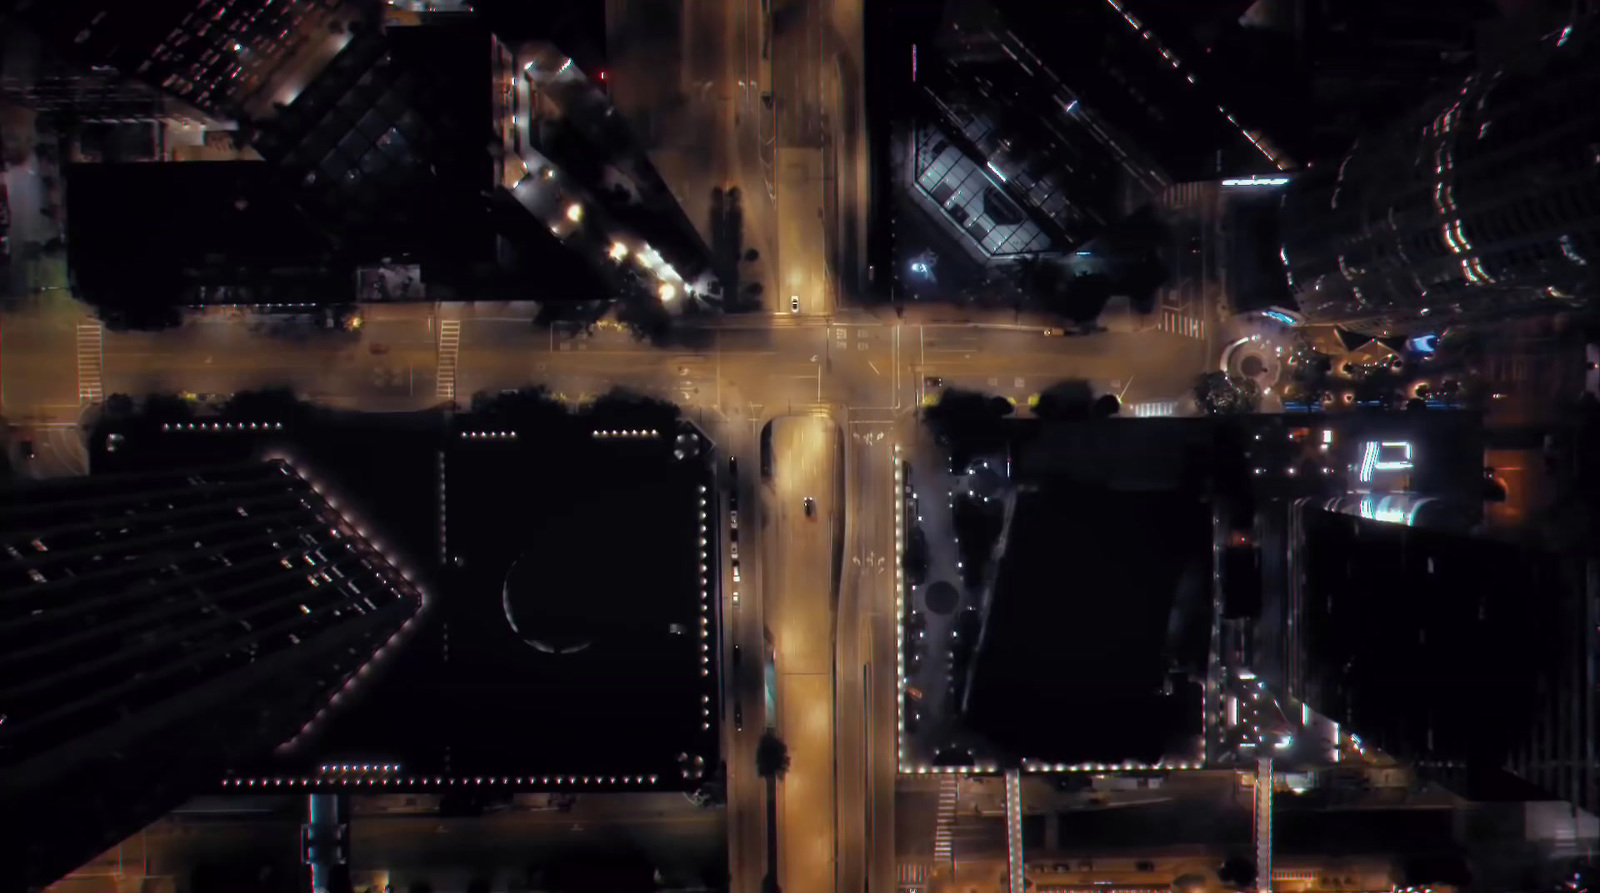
(1153, 409)
(91, 359)
(945, 818)
(449, 350)
(1179, 323)
(914, 875)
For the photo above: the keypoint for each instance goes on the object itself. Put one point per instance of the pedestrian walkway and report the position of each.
(449, 350)
(1180, 323)
(914, 875)
(1153, 409)
(945, 818)
(1184, 196)
(91, 358)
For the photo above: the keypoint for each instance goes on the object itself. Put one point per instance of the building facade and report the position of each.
(156, 629)
(1483, 203)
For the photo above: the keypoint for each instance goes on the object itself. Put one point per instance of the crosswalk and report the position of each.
(449, 350)
(1153, 409)
(91, 358)
(914, 875)
(1186, 195)
(944, 818)
(1179, 323)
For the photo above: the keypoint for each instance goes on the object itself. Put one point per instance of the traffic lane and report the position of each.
(38, 363)
(707, 26)
(799, 611)
(680, 839)
(806, 846)
(342, 371)
(424, 846)
(804, 460)
(747, 815)
(644, 43)
(796, 51)
(850, 694)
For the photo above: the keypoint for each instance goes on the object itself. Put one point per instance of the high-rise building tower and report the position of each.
(156, 629)
(228, 58)
(1483, 203)
(1469, 656)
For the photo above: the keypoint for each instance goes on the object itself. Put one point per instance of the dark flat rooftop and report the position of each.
(612, 526)
(1076, 645)
(1427, 644)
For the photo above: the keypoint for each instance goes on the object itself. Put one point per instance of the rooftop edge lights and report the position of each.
(626, 432)
(222, 426)
(899, 610)
(392, 572)
(1255, 181)
(1172, 59)
(416, 781)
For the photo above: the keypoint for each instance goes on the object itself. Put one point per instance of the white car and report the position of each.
(794, 303)
(736, 572)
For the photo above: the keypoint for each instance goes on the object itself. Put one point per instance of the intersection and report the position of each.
(851, 381)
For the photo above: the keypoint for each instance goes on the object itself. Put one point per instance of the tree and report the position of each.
(1219, 393)
(1065, 401)
(772, 756)
(1086, 297)
(967, 423)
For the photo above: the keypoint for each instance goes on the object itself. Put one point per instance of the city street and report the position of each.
(803, 519)
(403, 849)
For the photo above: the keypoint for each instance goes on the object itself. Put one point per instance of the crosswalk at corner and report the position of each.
(91, 359)
(1153, 409)
(449, 351)
(914, 875)
(1179, 323)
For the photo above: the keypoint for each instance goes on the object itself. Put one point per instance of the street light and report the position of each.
(618, 251)
(574, 212)
(667, 292)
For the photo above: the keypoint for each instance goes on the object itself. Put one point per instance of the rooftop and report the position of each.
(611, 525)
(1086, 622)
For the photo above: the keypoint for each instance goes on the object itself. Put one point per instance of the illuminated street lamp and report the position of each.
(574, 212)
(618, 251)
(667, 292)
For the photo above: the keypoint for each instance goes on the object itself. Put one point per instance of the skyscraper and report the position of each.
(229, 58)
(158, 628)
(1482, 203)
(1469, 656)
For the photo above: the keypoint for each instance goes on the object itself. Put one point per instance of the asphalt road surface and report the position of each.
(800, 569)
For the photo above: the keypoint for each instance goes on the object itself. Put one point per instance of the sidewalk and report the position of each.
(932, 485)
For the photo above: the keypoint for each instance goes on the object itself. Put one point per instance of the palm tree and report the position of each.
(772, 757)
